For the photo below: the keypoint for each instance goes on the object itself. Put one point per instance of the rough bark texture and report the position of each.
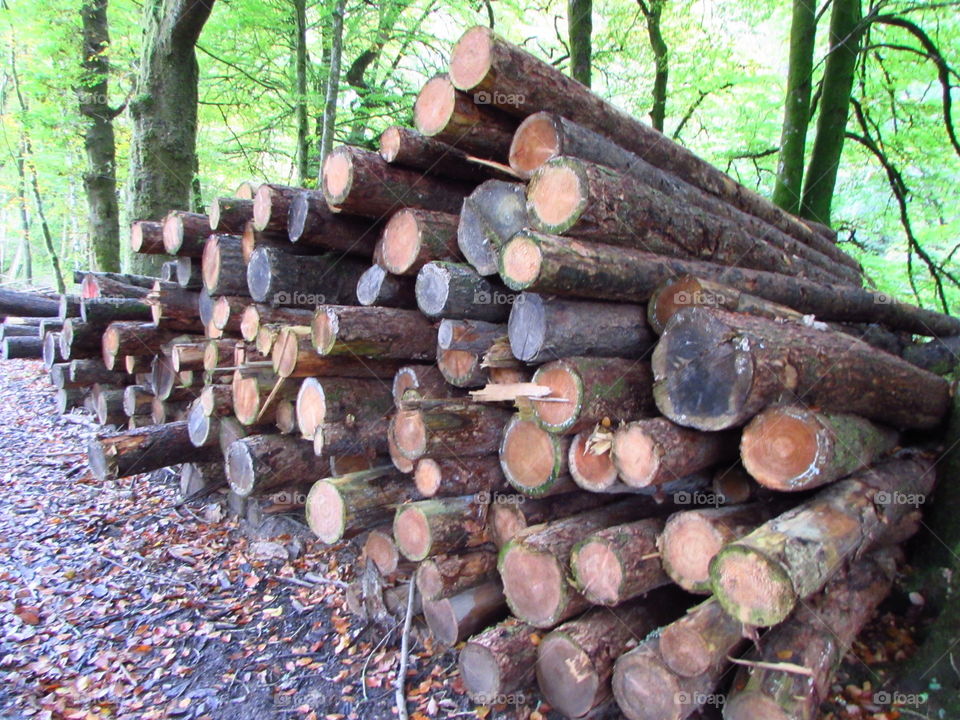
(749, 363)
(142, 450)
(498, 661)
(456, 429)
(313, 224)
(373, 332)
(448, 575)
(508, 516)
(441, 525)
(229, 214)
(339, 507)
(278, 278)
(449, 477)
(258, 463)
(453, 619)
(761, 577)
(223, 270)
(406, 147)
(380, 288)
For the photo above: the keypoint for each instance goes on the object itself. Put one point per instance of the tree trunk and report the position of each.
(652, 12)
(449, 477)
(25, 304)
(163, 159)
(796, 110)
(498, 661)
(15, 348)
(691, 538)
(619, 563)
(579, 32)
(462, 429)
(142, 450)
(493, 213)
(750, 363)
(793, 448)
(846, 30)
(300, 90)
(564, 266)
(385, 333)
(761, 577)
(442, 525)
(701, 640)
(414, 237)
(451, 620)
(588, 390)
(101, 312)
(100, 180)
(379, 288)
(333, 82)
(542, 328)
(446, 576)
(456, 291)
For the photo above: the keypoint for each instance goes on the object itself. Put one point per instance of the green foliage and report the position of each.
(725, 101)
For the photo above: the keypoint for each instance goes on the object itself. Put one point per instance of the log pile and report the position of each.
(516, 358)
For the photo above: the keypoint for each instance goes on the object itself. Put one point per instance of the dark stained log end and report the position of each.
(535, 142)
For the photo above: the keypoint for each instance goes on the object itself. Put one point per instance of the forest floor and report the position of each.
(115, 602)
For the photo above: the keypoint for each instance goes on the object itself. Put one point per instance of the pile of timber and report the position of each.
(612, 413)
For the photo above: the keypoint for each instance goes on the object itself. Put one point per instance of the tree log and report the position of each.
(312, 224)
(451, 620)
(372, 332)
(619, 563)
(359, 182)
(87, 372)
(229, 214)
(406, 147)
(293, 355)
(462, 368)
(379, 288)
(15, 348)
(566, 266)
(692, 538)
(175, 308)
(509, 515)
(255, 315)
(542, 329)
(223, 269)
(258, 463)
(499, 661)
(108, 284)
(137, 400)
(760, 578)
(351, 437)
(462, 429)
(142, 450)
(794, 448)
(146, 237)
(380, 549)
(50, 350)
(445, 576)
(102, 311)
(423, 381)
(446, 114)
(132, 338)
(342, 506)
(414, 237)
(271, 207)
(491, 215)
(590, 463)
(534, 461)
(449, 477)
(255, 395)
(24, 304)
(278, 278)
(474, 336)
(701, 640)
(456, 291)
(67, 399)
(201, 479)
(184, 233)
(322, 400)
(441, 525)
(80, 340)
(749, 363)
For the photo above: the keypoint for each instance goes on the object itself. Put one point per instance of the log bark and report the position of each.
(313, 224)
(184, 233)
(351, 438)
(380, 288)
(750, 363)
(446, 576)
(691, 539)
(619, 563)
(108, 284)
(845, 606)
(66, 399)
(414, 237)
(499, 661)
(258, 463)
(572, 197)
(137, 400)
(201, 479)
(542, 329)
(544, 136)
(102, 311)
(80, 340)
(278, 278)
(50, 350)
(223, 269)
(520, 84)
(142, 450)
(701, 640)
(203, 429)
(342, 506)
(534, 461)
(271, 207)
(534, 565)
(175, 308)
(566, 266)
(449, 477)
(15, 348)
(451, 620)
(507, 516)
(448, 115)
(88, 372)
(189, 273)
(656, 451)
(456, 291)
(255, 395)
(462, 429)
(23, 304)
(323, 400)
(474, 336)
(252, 240)
(575, 661)
(293, 355)
(229, 214)
(588, 390)
(371, 332)
(492, 214)
(146, 237)
(132, 338)
(256, 314)
(761, 577)
(794, 448)
(442, 525)
(406, 147)
(359, 182)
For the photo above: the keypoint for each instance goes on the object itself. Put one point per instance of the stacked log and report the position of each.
(554, 369)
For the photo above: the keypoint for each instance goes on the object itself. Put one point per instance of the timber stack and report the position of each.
(577, 385)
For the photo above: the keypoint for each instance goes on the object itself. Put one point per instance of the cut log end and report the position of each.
(556, 197)
(382, 551)
(599, 572)
(533, 583)
(250, 323)
(566, 675)
(688, 544)
(535, 142)
(262, 206)
(433, 289)
(750, 587)
(527, 455)
(100, 465)
(591, 471)
(520, 262)
(428, 477)
(526, 327)
(337, 176)
(240, 469)
(324, 329)
(636, 456)
(410, 434)
(459, 367)
(686, 650)
(311, 408)
(471, 58)
(564, 385)
(779, 446)
(441, 618)
(401, 242)
(390, 143)
(434, 106)
(673, 297)
(480, 672)
(325, 512)
(411, 530)
(504, 521)
(750, 704)
(645, 688)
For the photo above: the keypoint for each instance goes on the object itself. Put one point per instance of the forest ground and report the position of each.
(115, 602)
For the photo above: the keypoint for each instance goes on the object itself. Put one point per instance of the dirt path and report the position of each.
(115, 603)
